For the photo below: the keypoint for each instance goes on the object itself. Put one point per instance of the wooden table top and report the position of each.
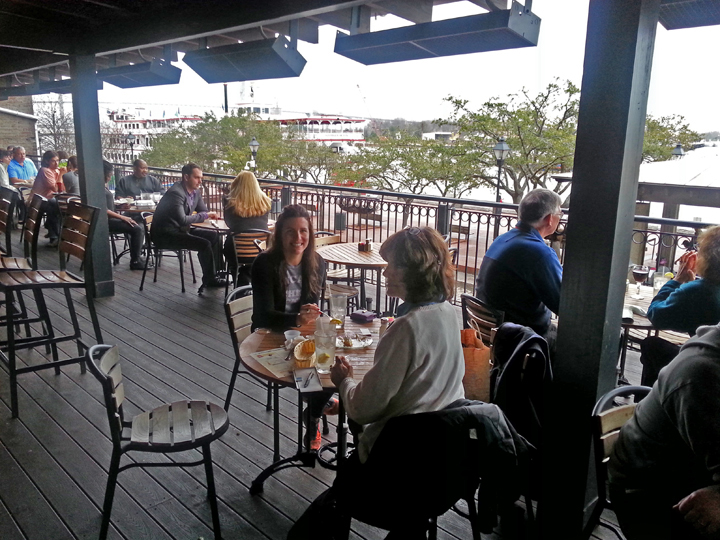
(643, 323)
(262, 340)
(221, 226)
(349, 255)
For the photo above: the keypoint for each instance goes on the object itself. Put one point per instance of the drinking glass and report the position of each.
(338, 308)
(640, 274)
(324, 351)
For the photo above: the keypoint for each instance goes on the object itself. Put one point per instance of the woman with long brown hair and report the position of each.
(287, 282)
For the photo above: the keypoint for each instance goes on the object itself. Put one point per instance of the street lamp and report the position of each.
(130, 139)
(254, 145)
(678, 151)
(502, 151)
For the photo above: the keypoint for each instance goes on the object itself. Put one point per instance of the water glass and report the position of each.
(324, 351)
(338, 308)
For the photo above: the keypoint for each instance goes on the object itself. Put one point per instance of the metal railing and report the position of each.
(358, 214)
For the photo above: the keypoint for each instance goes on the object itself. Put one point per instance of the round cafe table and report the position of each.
(347, 254)
(263, 340)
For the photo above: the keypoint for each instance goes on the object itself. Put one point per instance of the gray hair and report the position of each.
(18, 148)
(537, 204)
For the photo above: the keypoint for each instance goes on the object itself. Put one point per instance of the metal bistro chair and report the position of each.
(173, 427)
(478, 315)
(607, 419)
(75, 240)
(157, 253)
(248, 245)
(338, 273)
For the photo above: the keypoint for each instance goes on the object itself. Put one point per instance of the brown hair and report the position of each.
(423, 255)
(708, 261)
(311, 280)
(47, 156)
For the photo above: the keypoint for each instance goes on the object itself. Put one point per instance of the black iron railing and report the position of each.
(359, 214)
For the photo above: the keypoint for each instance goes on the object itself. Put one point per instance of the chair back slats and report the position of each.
(76, 235)
(240, 317)
(202, 421)
(609, 424)
(31, 229)
(480, 316)
(104, 362)
(5, 207)
(249, 244)
(327, 240)
(7, 212)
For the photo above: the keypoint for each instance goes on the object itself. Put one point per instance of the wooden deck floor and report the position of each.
(54, 458)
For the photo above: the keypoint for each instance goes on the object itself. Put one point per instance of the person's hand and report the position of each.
(687, 267)
(308, 313)
(212, 215)
(129, 220)
(340, 370)
(701, 509)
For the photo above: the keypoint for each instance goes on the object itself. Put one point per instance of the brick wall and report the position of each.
(16, 130)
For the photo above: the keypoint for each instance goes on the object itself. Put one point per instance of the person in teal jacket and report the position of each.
(684, 303)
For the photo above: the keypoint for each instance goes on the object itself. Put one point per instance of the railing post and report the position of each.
(285, 196)
(443, 218)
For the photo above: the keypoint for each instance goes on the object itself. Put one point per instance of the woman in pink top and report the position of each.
(46, 184)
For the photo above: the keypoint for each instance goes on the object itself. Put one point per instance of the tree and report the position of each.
(55, 127)
(407, 163)
(218, 144)
(539, 129)
(662, 134)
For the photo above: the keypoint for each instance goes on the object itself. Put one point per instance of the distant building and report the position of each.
(440, 136)
(144, 129)
(17, 124)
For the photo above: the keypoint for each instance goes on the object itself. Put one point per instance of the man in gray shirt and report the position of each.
(70, 178)
(138, 182)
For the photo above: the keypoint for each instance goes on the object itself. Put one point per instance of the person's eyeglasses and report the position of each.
(413, 230)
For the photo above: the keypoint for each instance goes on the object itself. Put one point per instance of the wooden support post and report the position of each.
(98, 267)
(613, 104)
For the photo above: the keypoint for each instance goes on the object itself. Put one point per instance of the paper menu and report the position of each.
(276, 361)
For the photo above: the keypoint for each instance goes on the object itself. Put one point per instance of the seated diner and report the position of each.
(418, 367)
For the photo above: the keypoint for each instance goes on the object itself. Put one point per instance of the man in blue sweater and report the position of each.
(521, 275)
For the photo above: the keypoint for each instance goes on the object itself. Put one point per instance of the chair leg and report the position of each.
(158, 258)
(11, 355)
(110, 493)
(93, 317)
(231, 388)
(326, 428)
(192, 268)
(207, 458)
(180, 255)
(473, 517)
(432, 529)
(268, 405)
(147, 260)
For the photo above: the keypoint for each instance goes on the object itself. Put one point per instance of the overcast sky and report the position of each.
(684, 76)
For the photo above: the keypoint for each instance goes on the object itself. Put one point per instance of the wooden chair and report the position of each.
(337, 273)
(248, 245)
(174, 427)
(337, 288)
(8, 203)
(30, 234)
(477, 314)
(607, 419)
(75, 240)
(158, 253)
(238, 311)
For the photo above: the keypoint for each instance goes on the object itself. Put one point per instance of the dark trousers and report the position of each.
(204, 241)
(136, 234)
(53, 221)
(655, 354)
(327, 518)
(645, 515)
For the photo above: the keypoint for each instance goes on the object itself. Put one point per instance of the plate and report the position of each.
(358, 342)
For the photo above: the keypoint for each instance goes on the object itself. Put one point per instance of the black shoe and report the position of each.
(215, 282)
(53, 243)
(136, 265)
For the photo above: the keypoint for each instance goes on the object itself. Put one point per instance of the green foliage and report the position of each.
(217, 144)
(662, 134)
(539, 129)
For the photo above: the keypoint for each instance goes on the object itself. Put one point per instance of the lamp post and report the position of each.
(130, 139)
(254, 145)
(502, 151)
(678, 151)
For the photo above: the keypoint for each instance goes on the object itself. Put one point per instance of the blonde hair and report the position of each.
(246, 198)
